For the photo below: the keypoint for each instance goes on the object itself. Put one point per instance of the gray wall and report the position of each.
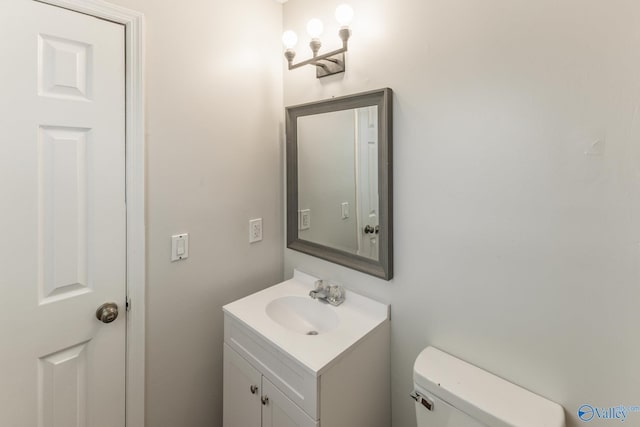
(516, 186)
(517, 175)
(214, 160)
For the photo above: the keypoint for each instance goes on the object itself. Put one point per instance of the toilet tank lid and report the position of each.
(481, 395)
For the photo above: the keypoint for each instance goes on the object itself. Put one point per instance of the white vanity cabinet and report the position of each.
(265, 387)
(251, 400)
(277, 376)
(291, 361)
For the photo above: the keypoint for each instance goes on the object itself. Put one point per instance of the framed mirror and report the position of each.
(339, 176)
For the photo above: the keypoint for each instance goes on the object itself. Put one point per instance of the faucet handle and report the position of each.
(336, 294)
(320, 286)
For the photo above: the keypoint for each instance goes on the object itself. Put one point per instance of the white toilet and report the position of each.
(452, 393)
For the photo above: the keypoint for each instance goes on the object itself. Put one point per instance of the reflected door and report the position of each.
(62, 192)
(367, 180)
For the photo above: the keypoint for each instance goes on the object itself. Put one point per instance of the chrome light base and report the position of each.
(331, 65)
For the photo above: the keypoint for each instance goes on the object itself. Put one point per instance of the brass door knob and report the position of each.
(107, 312)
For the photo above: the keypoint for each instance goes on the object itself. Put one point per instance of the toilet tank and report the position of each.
(452, 393)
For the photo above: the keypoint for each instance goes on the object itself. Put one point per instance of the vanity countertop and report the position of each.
(358, 316)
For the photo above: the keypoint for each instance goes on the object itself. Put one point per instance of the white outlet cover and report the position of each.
(255, 230)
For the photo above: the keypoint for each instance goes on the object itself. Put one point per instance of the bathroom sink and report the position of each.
(302, 315)
(308, 331)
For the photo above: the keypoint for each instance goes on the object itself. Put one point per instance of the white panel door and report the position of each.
(62, 213)
(242, 390)
(367, 180)
(279, 411)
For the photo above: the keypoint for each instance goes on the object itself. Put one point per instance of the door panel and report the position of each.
(64, 68)
(62, 171)
(241, 404)
(63, 388)
(280, 411)
(63, 212)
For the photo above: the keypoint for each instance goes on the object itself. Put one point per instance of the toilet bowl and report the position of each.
(452, 393)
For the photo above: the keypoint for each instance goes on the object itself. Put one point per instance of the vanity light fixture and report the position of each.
(328, 63)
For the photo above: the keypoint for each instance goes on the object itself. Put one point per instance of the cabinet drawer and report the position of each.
(285, 373)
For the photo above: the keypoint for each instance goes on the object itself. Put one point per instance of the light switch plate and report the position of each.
(345, 210)
(179, 247)
(305, 219)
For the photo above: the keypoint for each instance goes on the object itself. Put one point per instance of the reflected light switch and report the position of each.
(345, 210)
(304, 220)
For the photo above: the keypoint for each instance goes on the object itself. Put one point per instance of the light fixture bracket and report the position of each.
(329, 66)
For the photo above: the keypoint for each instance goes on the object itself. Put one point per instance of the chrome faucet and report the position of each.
(320, 291)
(332, 294)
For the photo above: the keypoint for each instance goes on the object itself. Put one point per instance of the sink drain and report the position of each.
(312, 333)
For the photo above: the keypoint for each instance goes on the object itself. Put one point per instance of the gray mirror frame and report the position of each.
(383, 99)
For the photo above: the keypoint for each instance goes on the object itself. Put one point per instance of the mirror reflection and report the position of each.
(338, 180)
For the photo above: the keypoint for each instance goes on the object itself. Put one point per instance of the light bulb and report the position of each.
(289, 39)
(315, 28)
(344, 14)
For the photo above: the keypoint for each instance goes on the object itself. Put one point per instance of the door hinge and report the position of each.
(128, 303)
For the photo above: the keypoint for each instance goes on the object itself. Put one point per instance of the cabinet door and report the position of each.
(279, 411)
(241, 401)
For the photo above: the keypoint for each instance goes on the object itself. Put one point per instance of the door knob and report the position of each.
(107, 312)
(254, 389)
(265, 400)
(371, 230)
